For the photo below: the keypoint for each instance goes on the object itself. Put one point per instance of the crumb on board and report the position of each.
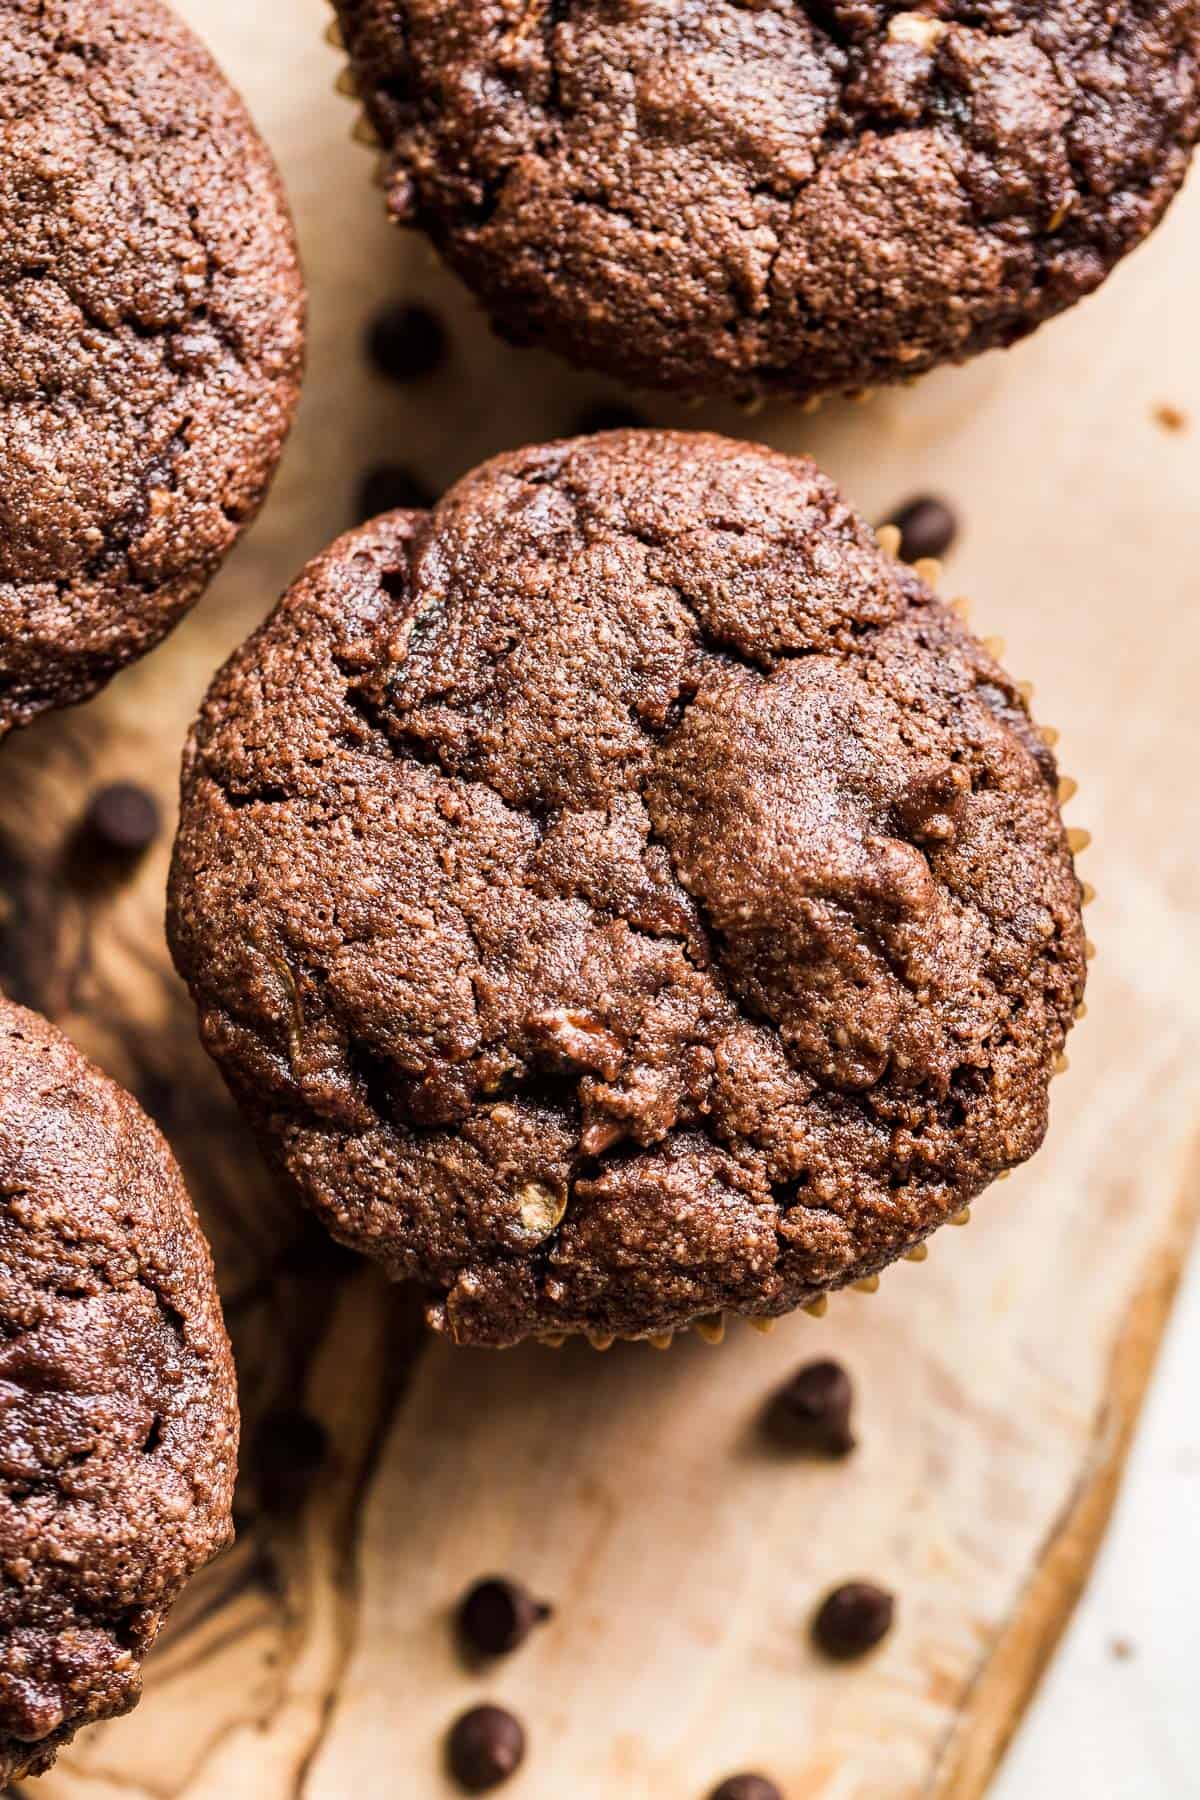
(1170, 418)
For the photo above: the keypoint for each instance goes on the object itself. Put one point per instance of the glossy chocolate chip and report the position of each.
(497, 1615)
(747, 1787)
(123, 819)
(927, 526)
(485, 1747)
(407, 342)
(853, 1619)
(811, 1412)
(392, 488)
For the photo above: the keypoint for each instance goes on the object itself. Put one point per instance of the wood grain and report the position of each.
(1000, 1382)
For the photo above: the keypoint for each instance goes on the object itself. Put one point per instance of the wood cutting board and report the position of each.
(999, 1382)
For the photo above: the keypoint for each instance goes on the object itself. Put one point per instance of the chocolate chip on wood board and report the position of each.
(496, 1616)
(811, 1412)
(122, 818)
(485, 1748)
(392, 488)
(746, 1787)
(407, 342)
(853, 1619)
(927, 527)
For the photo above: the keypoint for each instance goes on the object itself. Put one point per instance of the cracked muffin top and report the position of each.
(118, 1407)
(151, 336)
(790, 196)
(623, 893)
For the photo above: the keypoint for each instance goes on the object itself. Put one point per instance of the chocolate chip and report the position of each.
(811, 1412)
(122, 819)
(927, 527)
(406, 342)
(609, 416)
(497, 1616)
(392, 488)
(853, 1619)
(290, 1449)
(312, 1255)
(746, 1787)
(485, 1747)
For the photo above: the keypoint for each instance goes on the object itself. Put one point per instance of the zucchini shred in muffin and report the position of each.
(624, 894)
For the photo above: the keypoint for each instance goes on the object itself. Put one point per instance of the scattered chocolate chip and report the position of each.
(122, 819)
(290, 1449)
(853, 1619)
(811, 1412)
(609, 416)
(497, 1616)
(746, 1787)
(312, 1255)
(927, 527)
(407, 341)
(485, 1747)
(1122, 1649)
(392, 488)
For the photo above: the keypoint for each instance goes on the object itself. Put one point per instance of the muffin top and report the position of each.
(151, 329)
(118, 1408)
(768, 195)
(624, 893)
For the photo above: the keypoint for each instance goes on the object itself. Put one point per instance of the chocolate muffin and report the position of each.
(151, 337)
(623, 893)
(770, 196)
(118, 1407)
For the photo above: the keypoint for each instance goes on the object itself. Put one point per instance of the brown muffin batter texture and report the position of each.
(151, 327)
(749, 196)
(118, 1410)
(624, 893)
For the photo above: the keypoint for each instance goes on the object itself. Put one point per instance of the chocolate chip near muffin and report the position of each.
(927, 527)
(853, 1619)
(118, 1422)
(496, 1616)
(122, 819)
(485, 1748)
(625, 894)
(746, 1787)
(392, 488)
(712, 196)
(407, 342)
(151, 337)
(811, 1411)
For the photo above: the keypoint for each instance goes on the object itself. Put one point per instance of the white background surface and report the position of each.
(1108, 1726)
